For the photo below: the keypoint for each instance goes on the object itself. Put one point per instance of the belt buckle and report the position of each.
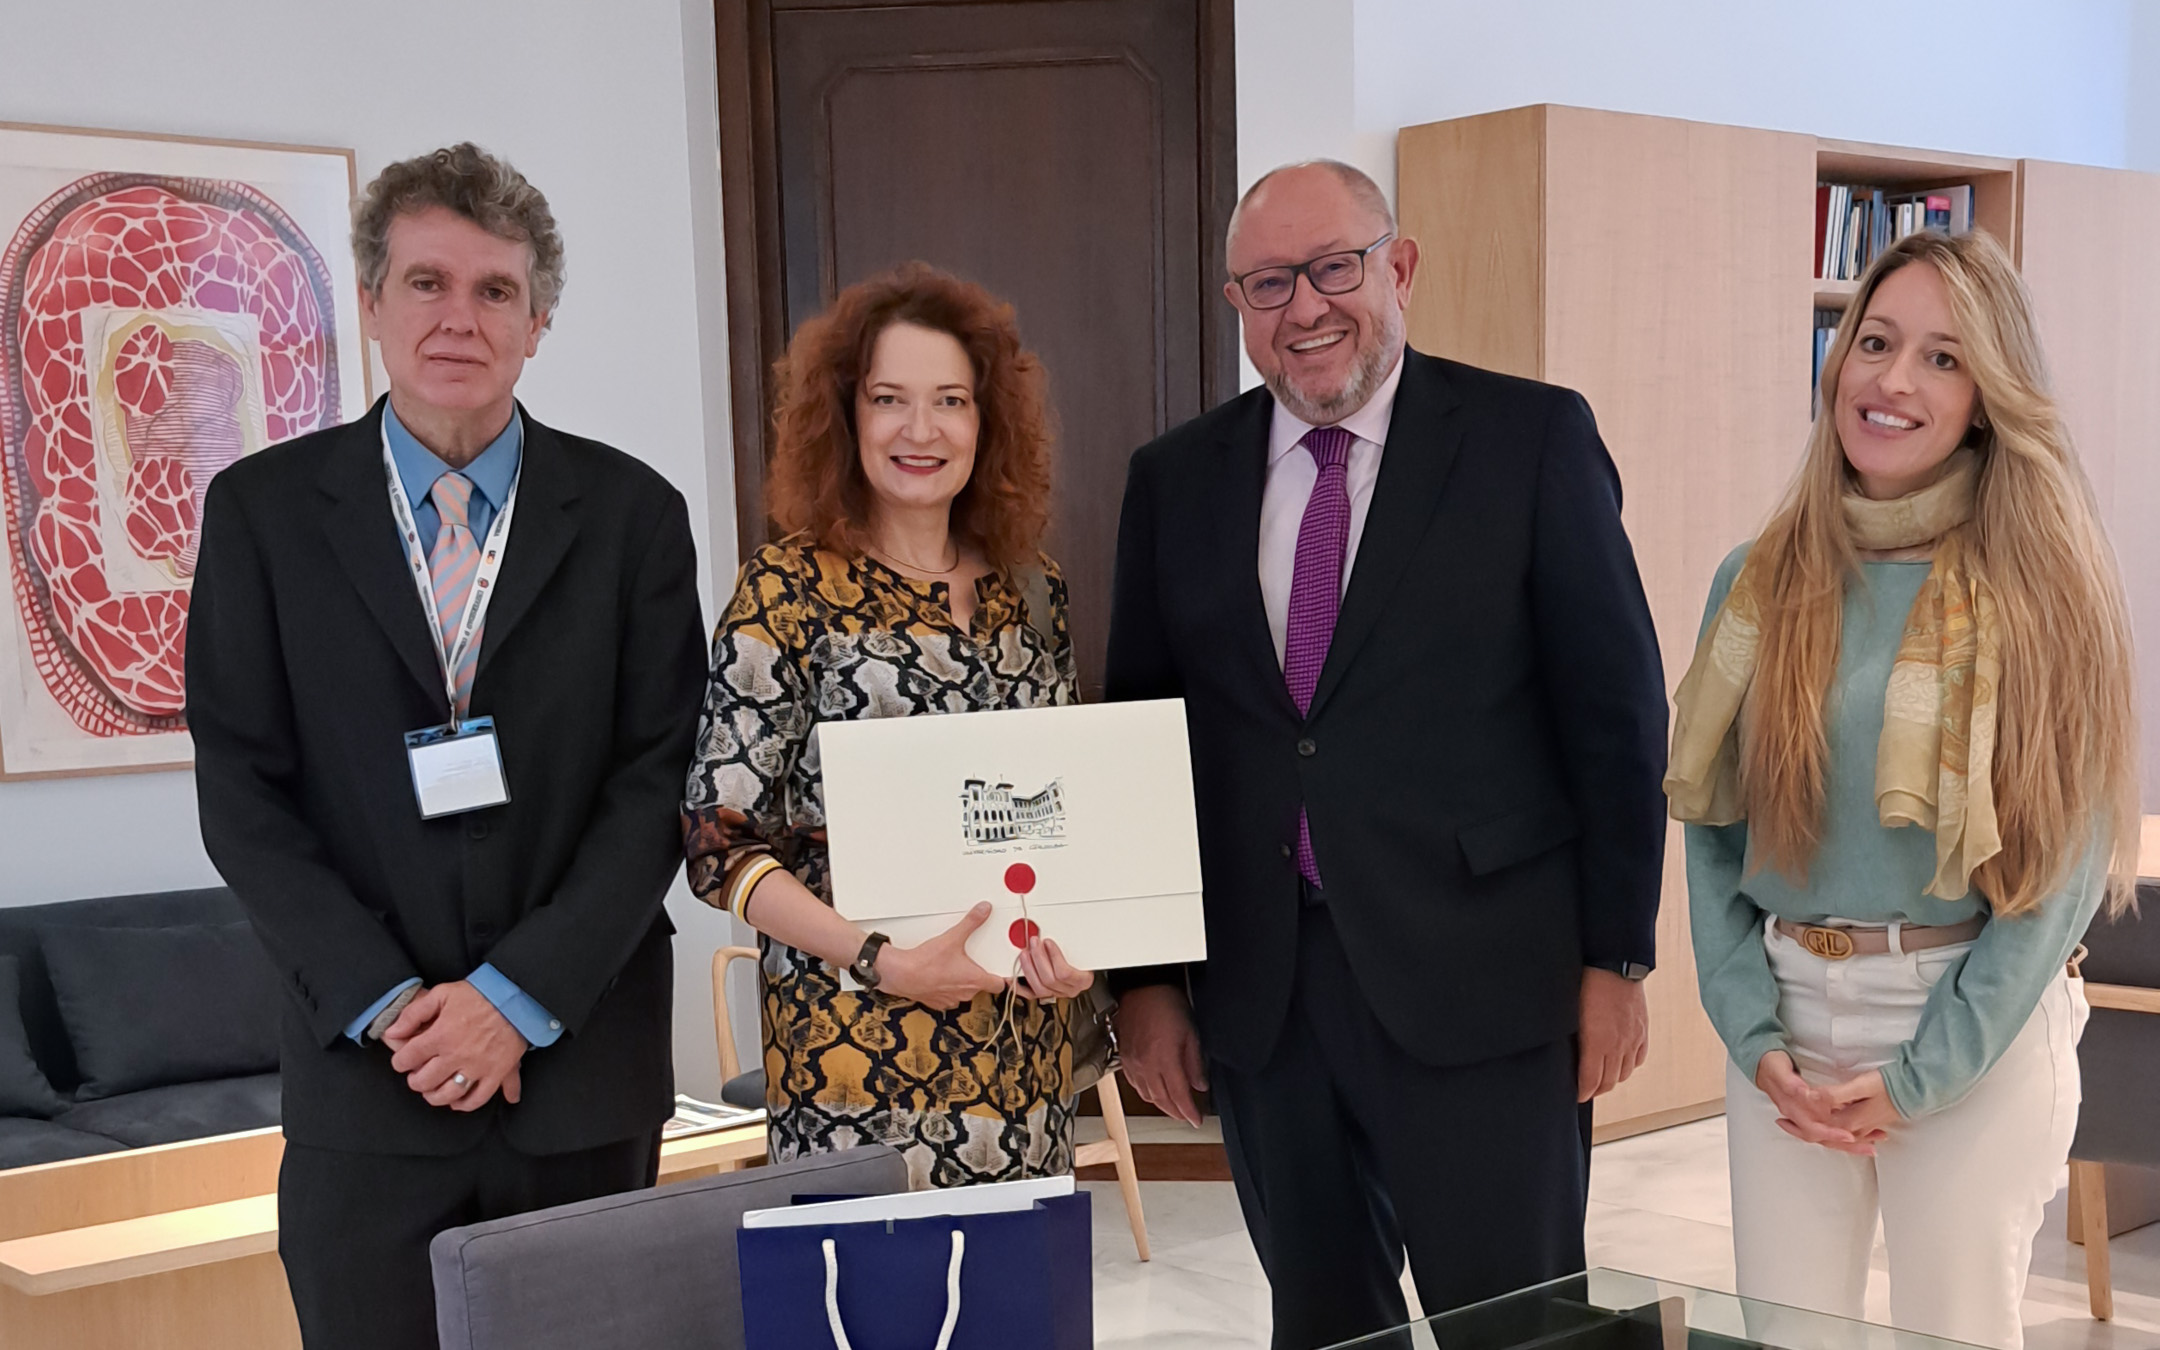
(1830, 944)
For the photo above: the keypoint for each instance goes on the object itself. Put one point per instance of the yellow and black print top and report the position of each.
(815, 636)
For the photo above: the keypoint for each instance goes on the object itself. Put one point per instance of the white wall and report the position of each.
(608, 108)
(2142, 147)
(2067, 80)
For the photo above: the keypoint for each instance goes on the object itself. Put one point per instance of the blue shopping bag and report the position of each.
(1014, 1281)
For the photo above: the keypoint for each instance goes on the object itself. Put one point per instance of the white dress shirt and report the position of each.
(1291, 473)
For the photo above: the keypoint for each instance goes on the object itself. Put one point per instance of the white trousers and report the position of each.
(1959, 1192)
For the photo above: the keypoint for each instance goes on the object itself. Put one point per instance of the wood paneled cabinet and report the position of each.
(1666, 270)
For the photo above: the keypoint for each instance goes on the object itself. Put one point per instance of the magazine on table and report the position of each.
(694, 1117)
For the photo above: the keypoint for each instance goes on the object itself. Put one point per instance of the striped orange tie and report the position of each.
(453, 564)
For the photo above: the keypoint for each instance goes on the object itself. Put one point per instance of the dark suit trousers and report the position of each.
(1346, 1150)
(353, 1228)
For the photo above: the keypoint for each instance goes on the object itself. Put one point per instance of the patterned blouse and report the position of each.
(812, 636)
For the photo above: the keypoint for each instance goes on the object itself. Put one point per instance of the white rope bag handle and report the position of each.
(952, 1293)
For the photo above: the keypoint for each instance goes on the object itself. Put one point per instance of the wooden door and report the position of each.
(1074, 156)
(2085, 249)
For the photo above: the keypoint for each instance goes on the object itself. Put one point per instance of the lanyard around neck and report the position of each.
(450, 655)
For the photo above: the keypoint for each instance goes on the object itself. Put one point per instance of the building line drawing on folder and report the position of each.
(1091, 804)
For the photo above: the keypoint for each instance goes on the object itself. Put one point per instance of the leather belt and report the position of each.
(1837, 944)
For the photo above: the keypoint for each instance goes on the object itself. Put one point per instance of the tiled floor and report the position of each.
(1658, 1206)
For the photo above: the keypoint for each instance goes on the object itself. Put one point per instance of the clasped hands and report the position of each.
(455, 1048)
(1850, 1117)
(940, 975)
(1160, 1048)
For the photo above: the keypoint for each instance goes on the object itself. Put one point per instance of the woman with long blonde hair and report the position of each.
(1904, 754)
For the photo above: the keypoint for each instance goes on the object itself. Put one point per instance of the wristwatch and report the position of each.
(865, 966)
(1626, 970)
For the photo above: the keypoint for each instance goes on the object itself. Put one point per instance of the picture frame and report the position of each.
(168, 304)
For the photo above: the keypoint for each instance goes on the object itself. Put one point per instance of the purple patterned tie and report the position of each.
(1316, 589)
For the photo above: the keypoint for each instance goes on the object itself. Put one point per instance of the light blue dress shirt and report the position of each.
(493, 472)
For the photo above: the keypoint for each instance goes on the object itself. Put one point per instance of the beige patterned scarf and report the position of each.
(1932, 765)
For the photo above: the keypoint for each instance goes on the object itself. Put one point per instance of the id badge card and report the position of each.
(456, 768)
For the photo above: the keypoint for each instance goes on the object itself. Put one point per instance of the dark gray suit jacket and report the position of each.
(309, 657)
(1483, 756)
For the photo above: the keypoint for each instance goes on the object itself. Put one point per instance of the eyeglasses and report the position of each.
(1330, 274)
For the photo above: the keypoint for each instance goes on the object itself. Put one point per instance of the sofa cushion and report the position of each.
(23, 1089)
(166, 1115)
(26, 1142)
(149, 1006)
(22, 927)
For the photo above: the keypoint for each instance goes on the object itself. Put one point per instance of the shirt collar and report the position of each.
(1369, 423)
(492, 471)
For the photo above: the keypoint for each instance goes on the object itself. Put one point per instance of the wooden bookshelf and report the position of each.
(2085, 247)
(1896, 169)
(1666, 269)
(1654, 265)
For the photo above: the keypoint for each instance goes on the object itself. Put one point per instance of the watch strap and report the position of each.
(864, 966)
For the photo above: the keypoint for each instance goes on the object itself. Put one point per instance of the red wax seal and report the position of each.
(1019, 878)
(1021, 931)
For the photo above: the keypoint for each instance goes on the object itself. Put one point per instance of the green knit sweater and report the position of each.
(1866, 873)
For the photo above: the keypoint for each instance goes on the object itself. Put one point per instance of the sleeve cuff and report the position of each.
(744, 879)
(536, 1024)
(359, 1025)
(1906, 1092)
(1747, 1055)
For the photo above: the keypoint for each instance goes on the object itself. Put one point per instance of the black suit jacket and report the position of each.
(1482, 760)
(309, 658)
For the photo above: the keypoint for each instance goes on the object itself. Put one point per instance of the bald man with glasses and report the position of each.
(1428, 725)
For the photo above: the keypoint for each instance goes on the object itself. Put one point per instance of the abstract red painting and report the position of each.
(166, 307)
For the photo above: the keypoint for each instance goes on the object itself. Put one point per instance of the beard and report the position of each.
(1323, 406)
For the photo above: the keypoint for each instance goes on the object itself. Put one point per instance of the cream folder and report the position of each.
(1078, 820)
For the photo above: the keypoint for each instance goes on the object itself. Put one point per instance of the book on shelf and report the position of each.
(1854, 224)
(1826, 326)
(700, 1117)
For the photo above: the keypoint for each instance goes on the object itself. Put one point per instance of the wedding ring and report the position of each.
(458, 1079)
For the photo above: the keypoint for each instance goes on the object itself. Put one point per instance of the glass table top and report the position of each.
(1613, 1310)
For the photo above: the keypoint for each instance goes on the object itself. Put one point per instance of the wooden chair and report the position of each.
(748, 1089)
(2119, 1062)
(736, 1087)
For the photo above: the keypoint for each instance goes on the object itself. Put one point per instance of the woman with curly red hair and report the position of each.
(911, 474)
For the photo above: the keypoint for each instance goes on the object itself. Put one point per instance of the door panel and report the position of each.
(1052, 151)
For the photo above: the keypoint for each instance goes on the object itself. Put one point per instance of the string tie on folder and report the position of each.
(1020, 880)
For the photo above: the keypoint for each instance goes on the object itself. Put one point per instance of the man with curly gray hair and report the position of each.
(444, 670)
(472, 183)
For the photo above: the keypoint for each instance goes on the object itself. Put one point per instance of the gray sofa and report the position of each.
(651, 1268)
(133, 1020)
